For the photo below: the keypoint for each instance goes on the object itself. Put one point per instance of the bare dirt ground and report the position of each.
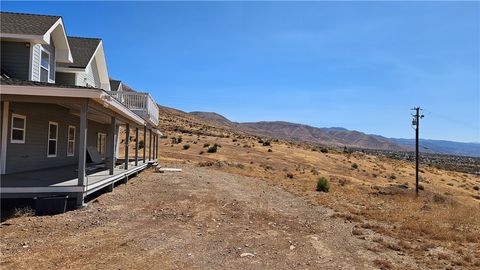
(200, 218)
(256, 196)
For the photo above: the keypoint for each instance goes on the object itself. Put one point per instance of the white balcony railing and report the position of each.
(140, 103)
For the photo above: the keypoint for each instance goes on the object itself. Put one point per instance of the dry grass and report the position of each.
(444, 214)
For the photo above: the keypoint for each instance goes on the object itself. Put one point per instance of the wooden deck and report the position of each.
(63, 181)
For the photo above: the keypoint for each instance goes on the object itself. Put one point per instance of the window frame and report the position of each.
(24, 118)
(56, 139)
(40, 65)
(71, 140)
(99, 134)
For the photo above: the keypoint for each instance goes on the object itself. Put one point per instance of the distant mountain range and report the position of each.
(338, 136)
(441, 146)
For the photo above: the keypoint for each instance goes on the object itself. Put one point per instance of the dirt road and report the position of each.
(197, 219)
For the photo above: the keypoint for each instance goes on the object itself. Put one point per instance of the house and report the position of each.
(61, 114)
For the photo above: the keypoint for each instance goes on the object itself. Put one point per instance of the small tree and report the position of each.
(323, 185)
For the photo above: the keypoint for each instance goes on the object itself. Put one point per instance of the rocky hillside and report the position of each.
(297, 132)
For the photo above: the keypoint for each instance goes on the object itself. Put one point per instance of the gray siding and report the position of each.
(15, 59)
(65, 78)
(95, 75)
(90, 77)
(33, 154)
(36, 62)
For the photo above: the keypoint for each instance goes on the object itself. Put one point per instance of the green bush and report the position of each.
(212, 149)
(355, 165)
(322, 184)
(186, 146)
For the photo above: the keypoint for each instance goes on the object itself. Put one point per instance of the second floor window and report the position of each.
(44, 66)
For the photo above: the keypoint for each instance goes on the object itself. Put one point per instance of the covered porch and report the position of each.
(27, 168)
(64, 180)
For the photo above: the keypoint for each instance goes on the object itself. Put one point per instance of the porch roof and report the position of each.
(39, 89)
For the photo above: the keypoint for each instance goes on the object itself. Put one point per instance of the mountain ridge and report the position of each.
(338, 136)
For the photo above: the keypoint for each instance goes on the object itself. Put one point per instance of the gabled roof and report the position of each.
(26, 24)
(83, 50)
(114, 85)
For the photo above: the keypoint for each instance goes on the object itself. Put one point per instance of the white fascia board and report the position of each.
(99, 96)
(23, 37)
(99, 56)
(65, 55)
(70, 69)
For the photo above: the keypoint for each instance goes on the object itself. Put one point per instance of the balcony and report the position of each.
(140, 103)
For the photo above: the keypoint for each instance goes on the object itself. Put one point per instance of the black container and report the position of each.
(50, 205)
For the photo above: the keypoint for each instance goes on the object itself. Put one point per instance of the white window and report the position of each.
(101, 140)
(19, 123)
(52, 139)
(71, 141)
(44, 66)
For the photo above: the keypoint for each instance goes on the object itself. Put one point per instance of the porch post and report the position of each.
(111, 145)
(150, 146)
(82, 152)
(154, 146)
(156, 150)
(3, 154)
(136, 146)
(127, 142)
(144, 142)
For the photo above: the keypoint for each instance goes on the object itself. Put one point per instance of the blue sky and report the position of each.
(358, 65)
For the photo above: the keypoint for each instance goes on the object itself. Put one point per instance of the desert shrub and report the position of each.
(267, 143)
(290, 175)
(270, 150)
(476, 188)
(201, 153)
(176, 140)
(217, 145)
(324, 150)
(421, 187)
(186, 146)
(393, 177)
(206, 145)
(23, 212)
(234, 140)
(355, 165)
(374, 175)
(322, 184)
(260, 141)
(212, 149)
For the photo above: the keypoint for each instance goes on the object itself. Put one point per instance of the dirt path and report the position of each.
(200, 218)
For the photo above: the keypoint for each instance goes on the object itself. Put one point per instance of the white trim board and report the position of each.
(3, 154)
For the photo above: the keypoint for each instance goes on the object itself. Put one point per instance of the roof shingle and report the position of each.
(26, 24)
(82, 50)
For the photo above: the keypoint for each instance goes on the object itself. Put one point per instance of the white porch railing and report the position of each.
(140, 103)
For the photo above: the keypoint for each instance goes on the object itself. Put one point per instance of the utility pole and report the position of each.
(416, 123)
